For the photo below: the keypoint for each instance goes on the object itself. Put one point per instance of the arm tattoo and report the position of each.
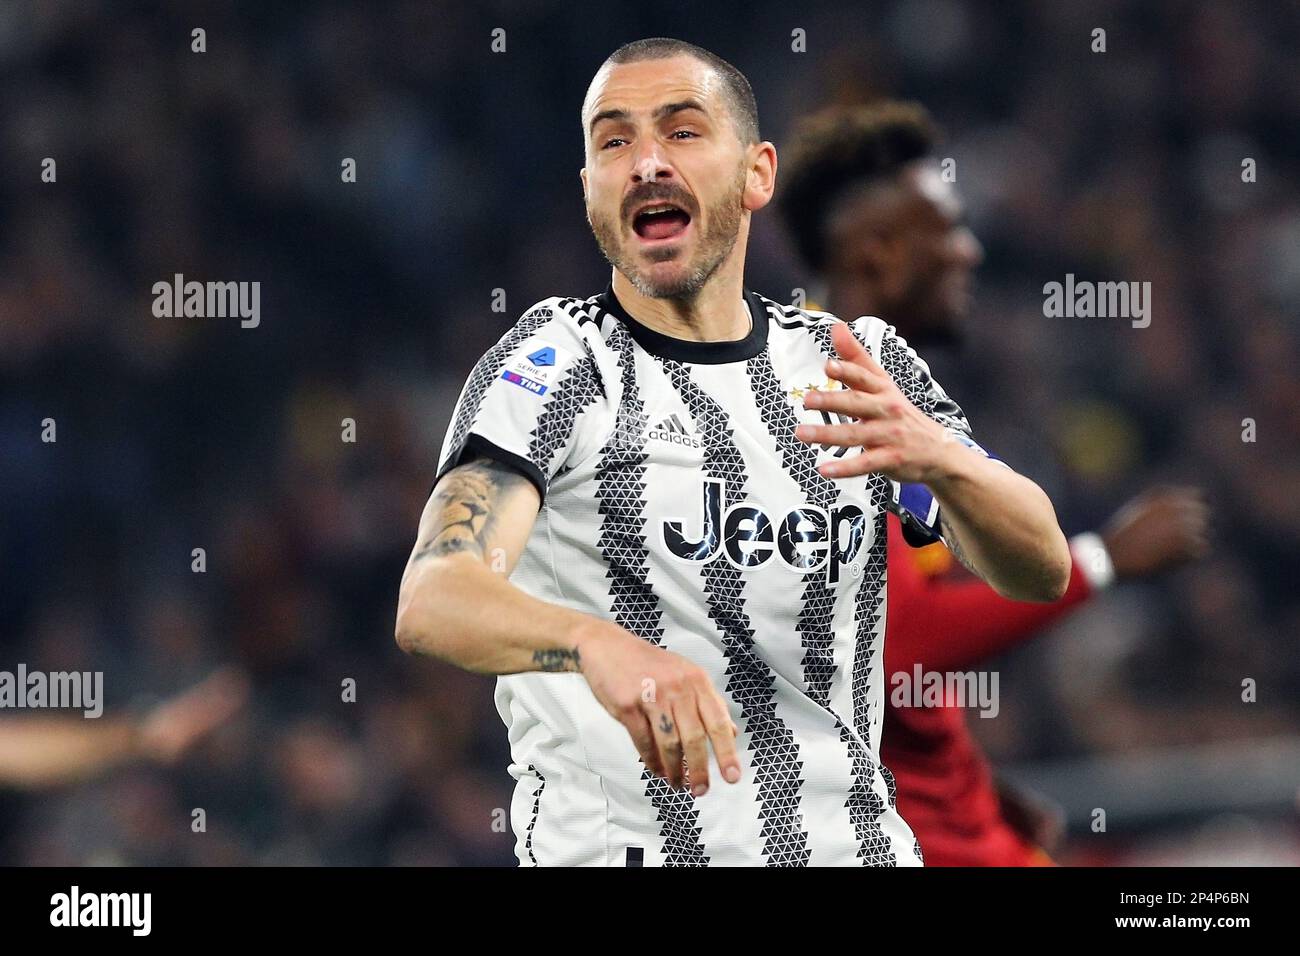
(554, 660)
(950, 539)
(468, 497)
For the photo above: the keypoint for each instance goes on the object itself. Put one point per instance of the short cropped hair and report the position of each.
(739, 94)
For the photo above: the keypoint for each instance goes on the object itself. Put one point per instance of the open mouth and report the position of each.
(661, 221)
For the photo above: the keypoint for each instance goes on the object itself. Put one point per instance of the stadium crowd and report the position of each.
(377, 296)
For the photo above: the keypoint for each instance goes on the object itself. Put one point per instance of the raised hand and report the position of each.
(897, 439)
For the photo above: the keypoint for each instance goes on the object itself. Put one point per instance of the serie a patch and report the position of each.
(534, 369)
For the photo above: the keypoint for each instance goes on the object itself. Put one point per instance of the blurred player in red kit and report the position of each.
(883, 230)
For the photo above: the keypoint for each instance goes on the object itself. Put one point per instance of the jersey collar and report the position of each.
(685, 350)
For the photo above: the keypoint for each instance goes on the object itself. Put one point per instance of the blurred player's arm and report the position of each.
(457, 604)
(954, 625)
(948, 625)
(41, 752)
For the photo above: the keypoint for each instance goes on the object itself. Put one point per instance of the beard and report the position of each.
(714, 245)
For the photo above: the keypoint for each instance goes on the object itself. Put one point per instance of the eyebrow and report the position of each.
(666, 110)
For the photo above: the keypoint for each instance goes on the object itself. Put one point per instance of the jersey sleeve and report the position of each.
(915, 505)
(528, 398)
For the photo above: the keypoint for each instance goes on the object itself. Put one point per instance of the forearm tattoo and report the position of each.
(468, 500)
(950, 539)
(554, 660)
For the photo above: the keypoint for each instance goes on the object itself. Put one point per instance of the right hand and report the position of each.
(667, 703)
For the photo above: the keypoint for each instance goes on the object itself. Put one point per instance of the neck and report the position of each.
(716, 314)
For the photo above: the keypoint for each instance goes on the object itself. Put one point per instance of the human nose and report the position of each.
(650, 162)
(969, 249)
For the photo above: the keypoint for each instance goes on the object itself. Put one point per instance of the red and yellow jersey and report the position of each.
(945, 786)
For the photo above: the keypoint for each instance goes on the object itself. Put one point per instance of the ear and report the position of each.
(760, 177)
(582, 174)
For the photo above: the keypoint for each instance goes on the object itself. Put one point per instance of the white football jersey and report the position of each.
(677, 502)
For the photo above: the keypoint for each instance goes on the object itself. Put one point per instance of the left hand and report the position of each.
(897, 438)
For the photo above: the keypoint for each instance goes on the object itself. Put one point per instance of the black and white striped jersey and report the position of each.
(678, 503)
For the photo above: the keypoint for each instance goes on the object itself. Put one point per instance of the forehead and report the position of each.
(925, 180)
(916, 195)
(641, 86)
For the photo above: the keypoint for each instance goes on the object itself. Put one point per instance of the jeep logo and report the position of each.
(804, 539)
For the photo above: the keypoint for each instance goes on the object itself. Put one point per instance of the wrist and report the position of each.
(954, 465)
(589, 632)
(1094, 561)
(130, 737)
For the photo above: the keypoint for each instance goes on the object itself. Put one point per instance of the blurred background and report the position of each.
(176, 433)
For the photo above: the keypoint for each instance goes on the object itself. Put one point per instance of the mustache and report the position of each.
(659, 194)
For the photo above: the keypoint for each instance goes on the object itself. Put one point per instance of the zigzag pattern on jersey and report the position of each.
(577, 388)
(896, 361)
(921, 390)
(775, 762)
(587, 311)
(489, 367)
(559, 413)
(870, 604)
(537, 804)
(864, 802)
(800, 461)
(620, 496)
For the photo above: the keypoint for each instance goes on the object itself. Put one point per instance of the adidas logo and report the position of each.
(672, 430)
